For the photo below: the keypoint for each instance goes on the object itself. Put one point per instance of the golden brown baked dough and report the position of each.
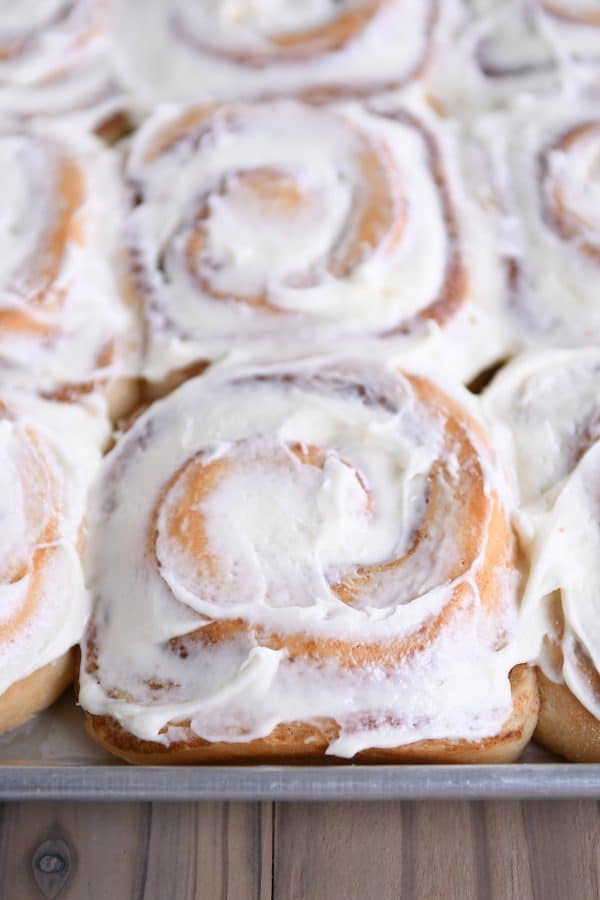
(49, 454)
(547, 407)
(565, 726)
(64, 327)
(299, 742)
(35, 692)
(452, 579)
(297, 227)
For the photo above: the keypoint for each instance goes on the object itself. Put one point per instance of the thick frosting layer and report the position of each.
(491, 53)
(213, 50)
(548, 407)
(61, 315)
(545, 197)
(298, 542)
(55, 60)
(49, 454)
(348, 228)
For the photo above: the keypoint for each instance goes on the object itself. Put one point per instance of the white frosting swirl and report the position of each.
(347, 228)
(55, 60)
(548, 407)
(294, 499)
(214, 50)
(49, 455)
(544, 165)
(61, 316)
(493, 52)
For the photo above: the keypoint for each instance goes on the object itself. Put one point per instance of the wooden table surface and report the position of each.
(301, 851)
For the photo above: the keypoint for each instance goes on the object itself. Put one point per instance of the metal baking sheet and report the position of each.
(51, 758)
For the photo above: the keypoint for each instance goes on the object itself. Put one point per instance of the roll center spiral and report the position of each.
(291, 502)
(571, 203)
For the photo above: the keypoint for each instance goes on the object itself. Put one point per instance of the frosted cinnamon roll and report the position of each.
(548, 407)
(63, 323)
(304, 559)
(321, 50)
(49, 454)
(543, 165)
(494, 52)
(277, 223)
(55, 60)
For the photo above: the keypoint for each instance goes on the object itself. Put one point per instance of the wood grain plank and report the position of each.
(187, 851)
(107, 843)
(209, 851)
(489, 851)
(383, 850)
(352, 851)
(446, 856)
(563, 840)
(502, 834)
(493, 851)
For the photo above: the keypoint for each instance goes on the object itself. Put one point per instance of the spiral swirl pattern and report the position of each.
(345, 229)
(495, 52)
(321, 542)
(50, 453)
(322, 50)
(55, 61)
(569, 196)
(546, 182)
(61, 317)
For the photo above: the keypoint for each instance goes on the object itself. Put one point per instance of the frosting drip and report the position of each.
(306, 542)
(548, 409)
(44, 482)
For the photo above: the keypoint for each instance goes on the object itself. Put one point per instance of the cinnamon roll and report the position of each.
(494, 52)
(49, 455)
(63, 324)
(321, 50)
(543, 168)
(302, 559)
(279, 223)
(548, 407)
(55, 60)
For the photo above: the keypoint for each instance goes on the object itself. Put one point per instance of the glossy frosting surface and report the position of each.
(548, 407)
(50, 454)
(336, 506)
(62, 317)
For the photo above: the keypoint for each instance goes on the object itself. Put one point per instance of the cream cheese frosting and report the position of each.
(355, 224)
(548, 409)
(62, 318)
(492, 53)
(289, 498)
(544, 197)
(56, 61)
(260, 48)
(50, 454)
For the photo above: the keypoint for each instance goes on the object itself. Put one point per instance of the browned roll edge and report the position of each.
(30, 695)
(565, 726)
(122, 394)
(300, 742)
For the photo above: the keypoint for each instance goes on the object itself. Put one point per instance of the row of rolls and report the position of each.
(300, 376)
(96, 61)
